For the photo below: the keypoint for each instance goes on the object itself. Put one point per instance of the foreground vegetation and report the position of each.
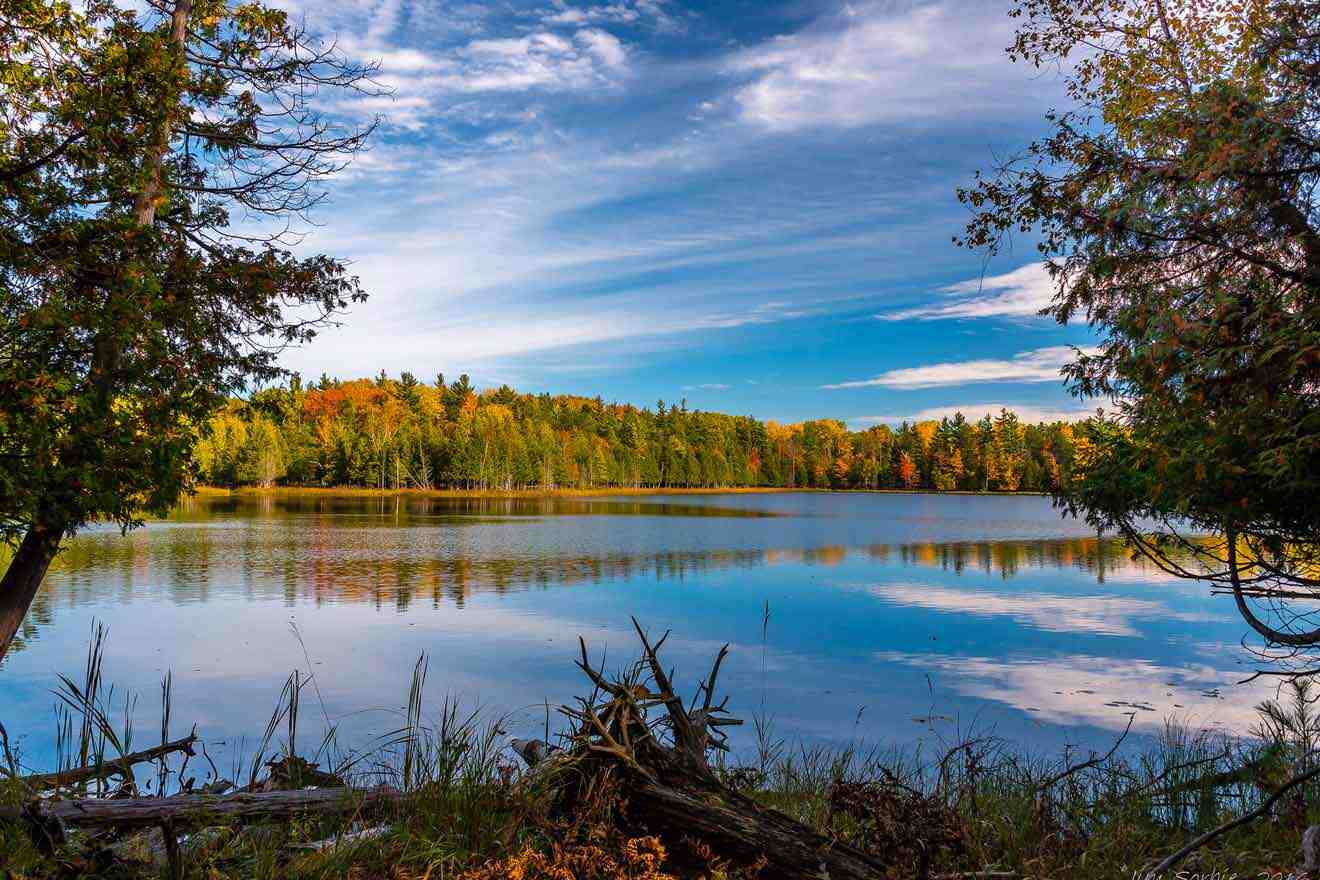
(401, 433)
(962, 804)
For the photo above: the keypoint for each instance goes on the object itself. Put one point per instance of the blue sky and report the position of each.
(746, 204)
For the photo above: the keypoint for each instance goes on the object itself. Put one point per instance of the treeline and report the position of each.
(402, 433)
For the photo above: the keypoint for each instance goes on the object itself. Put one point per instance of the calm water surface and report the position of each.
(890, 615)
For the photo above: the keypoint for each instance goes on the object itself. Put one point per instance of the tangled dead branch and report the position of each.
(636, 734)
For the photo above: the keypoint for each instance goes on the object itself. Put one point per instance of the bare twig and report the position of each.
(1094, 761)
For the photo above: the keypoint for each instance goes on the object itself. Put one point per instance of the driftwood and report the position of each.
(533, 751)
(667, 787)
(735, 826)
(193, 810)
(122, 767)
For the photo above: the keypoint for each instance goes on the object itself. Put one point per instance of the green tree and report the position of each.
(1177, 209)
(129, 306)
(261, 460)
(1008, 450)
(393, 434)
(455, 396)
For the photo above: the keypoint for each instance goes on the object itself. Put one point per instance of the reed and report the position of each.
(961, 805)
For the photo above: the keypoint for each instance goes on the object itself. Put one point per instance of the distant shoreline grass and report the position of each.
(295, 491)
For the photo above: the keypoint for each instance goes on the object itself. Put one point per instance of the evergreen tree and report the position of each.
(129, 304)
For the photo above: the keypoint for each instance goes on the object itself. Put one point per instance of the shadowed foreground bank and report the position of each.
(640, 785)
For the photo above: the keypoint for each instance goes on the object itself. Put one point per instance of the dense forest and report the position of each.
(401, 433)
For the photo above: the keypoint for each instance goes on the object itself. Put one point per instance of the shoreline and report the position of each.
(359, 491)
(460, 794)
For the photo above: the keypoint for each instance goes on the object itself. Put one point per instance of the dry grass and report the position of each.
(945, 811)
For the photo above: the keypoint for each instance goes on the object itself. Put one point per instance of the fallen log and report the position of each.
(666, 785)
(193, 810)
(736, 827)
(122, 767)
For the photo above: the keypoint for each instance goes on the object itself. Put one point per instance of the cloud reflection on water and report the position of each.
(1101, 615)
(1025, 621)
(1100, 691)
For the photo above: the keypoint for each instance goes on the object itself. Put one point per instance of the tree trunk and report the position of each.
(144, 205)
(23, 578)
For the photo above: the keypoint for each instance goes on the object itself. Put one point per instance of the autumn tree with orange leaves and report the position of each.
(392, 434)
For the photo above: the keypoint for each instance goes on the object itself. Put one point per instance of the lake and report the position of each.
(891, 618)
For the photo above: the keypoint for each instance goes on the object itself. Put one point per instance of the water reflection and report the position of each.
(992, 607)
(404, 565)
(1101, 691)
(1098, 614)
(456, 507)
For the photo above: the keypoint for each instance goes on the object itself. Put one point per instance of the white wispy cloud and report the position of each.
(1030, 413)
(1020, 293)
(1039, 365)
(878, 62)
(458, 331)
(434, 60)
(708, 386)
(624, 12)
(541, 60)
(604, 46)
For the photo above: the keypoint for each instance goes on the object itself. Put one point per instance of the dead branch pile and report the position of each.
(635, 734)
(899, 824)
